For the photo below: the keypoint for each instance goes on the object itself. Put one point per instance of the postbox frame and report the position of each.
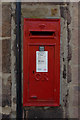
(25, 62)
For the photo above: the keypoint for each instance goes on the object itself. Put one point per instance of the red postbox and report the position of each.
(41, 62)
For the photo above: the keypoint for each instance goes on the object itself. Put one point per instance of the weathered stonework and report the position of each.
(13, 59)
(69, 74)
(68, 14)
(6, 19)
(6, 56)
(40, 10)
(65, 13)
(0, 61)
(72, 72)
(69, 53)
(6, 90)
(6, 60)
(64, 72)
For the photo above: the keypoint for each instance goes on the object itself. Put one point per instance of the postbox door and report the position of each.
(42, 81)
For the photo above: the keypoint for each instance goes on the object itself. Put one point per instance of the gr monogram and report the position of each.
(41, 76)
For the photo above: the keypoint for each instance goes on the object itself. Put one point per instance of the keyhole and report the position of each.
(33, 71)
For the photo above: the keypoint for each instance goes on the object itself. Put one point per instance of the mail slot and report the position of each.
(41, 62)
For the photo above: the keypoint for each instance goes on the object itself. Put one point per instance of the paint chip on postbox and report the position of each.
(41, 61)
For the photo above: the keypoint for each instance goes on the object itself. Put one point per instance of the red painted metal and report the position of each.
(41, 88)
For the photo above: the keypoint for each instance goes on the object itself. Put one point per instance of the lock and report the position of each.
(33, 71)
(33, 97)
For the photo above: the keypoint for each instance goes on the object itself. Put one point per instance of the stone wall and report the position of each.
(6, 60)
(8, 39)
(73, 63)
(68, 13)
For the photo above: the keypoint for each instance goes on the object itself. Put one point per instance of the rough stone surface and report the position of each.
(6, 56)
(6, 61)
(75, 57)
(69, 34)
(64, 72)
(6, 90)
(6, 20)
(13, 60)
(40, 10)
(73, 63)
(0, 55)
(69, 53)
(37, 113)
(1, 20)
(69, 75)
(4, 116)
(65, 13)
(14, 100)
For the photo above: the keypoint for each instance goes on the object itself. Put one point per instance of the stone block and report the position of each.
(6, 56)
(75, 97)
(75, 112)
(73, 101)
(6, 20)
(6, 90)
(40, 10)
(37, 113)
(74, 42)
(0, 55)
(5, 117)
(75, 57)
(74, 74)
(75, 15)
(79, 74)
(0, 19)
(0, 116)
